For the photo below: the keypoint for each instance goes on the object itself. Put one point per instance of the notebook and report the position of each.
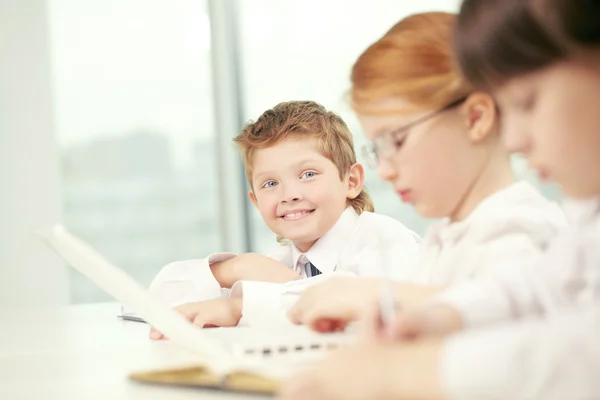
(240, 359)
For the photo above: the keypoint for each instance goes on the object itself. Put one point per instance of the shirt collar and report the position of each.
(446, 231)
(325, 252)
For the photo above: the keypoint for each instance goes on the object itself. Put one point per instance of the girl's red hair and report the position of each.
(412, 62)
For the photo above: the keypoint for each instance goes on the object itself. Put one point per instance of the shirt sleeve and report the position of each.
(553, 359)
(267, 303)
(565, 276)
(188, 281)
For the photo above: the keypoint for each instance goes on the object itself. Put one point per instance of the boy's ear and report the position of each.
(481, 116)
(252, 197)
(355, 179)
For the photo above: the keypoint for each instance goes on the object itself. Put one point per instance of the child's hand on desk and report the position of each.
(251, 267)
(371, 371)
(210, 313)
(332, 305)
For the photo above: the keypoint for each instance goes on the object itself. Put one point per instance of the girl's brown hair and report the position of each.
(572, 22)
(497, 40)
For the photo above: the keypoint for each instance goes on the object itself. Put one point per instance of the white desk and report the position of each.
(85, 352)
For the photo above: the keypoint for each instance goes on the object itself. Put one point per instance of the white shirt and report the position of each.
(557, 357)
(511, 224)
(566, 275)
(366, 245)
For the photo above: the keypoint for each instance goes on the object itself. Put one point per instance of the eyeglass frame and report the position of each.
(372, 151)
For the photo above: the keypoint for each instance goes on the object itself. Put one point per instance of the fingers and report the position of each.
(155, 334)
(199, 321)
(431, 321)
(187, 310)
(411, 327)
(295, 314)
(321, 316)
(370, 327)
(327, 318)
(328, 325)
(306, 302)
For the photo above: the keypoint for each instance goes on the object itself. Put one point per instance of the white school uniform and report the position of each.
(356, 245)
(511, 224)
(554, 358)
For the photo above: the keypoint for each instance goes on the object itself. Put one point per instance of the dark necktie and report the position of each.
(314, 271)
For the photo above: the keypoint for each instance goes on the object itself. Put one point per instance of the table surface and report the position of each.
(86, 352)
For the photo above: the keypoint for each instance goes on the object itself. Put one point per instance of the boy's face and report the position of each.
(553, 117)
(298, 191)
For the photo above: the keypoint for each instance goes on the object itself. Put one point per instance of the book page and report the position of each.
(126, 290)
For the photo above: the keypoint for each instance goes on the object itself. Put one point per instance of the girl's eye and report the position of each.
(528, 103)
(269, 184)
(398, 138)
(525, 99)
(309, 174)
(398, 143)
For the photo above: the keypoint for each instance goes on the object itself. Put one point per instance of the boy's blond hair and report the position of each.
(298, 119)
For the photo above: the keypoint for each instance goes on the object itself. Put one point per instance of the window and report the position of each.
(135, 124)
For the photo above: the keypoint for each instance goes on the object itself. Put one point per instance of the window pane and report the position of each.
(135, 124)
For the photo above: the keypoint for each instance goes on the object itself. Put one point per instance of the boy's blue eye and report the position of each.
(309, 174)
(269, 184)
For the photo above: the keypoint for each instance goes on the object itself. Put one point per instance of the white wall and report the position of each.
(30, 275)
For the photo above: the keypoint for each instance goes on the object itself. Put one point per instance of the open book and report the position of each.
(243, 359)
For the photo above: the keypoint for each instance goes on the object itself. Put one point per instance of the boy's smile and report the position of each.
(296, 214)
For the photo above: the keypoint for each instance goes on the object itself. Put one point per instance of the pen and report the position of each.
(388, 306)
(131, 318)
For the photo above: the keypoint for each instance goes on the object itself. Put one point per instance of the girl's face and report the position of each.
(433, 164)
(553, 117)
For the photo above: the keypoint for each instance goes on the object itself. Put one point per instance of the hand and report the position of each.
(331, 305)
(371, 371)
(211, 313)
(436, 320)
(252, 267)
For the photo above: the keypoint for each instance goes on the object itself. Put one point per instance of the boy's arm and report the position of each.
(252, 267)
(188, 281)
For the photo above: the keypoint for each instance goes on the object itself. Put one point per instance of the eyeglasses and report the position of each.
(383, 145)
